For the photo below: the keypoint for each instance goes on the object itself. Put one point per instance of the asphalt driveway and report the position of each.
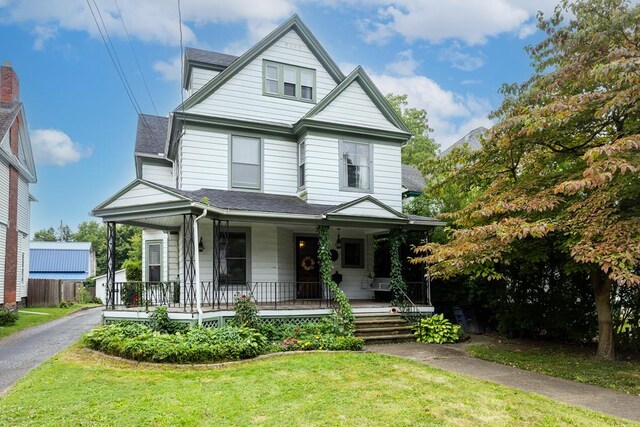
(25, 350)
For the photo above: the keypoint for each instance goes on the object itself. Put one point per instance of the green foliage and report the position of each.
(625, 308)
(45, 235)
(65, 304)
(133, 269)
(397, 284)
(324, 335)
(343, 313)
(197, 345)
(246, 311)
(437, 330)
(8, 317)
(160, 322)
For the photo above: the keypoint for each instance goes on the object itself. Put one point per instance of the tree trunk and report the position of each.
(601, 285)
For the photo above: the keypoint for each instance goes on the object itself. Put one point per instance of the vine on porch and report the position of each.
(397, 284)
(343, 312)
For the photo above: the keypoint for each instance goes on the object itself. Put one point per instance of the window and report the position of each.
(301, 162)
(356, 166)
(289, 81)
(154, 264)
(352, 253)
(233, 258)
(245, 162)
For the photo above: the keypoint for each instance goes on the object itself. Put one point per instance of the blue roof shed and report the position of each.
(61, 260)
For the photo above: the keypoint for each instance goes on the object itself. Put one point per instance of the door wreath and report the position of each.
(308, 263)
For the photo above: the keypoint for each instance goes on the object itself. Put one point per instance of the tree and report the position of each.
(45, 235)
(421, 147)
(563, 160)
(96, 233)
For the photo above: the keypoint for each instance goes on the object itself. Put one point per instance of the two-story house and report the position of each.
(17, 172)
(232, 186)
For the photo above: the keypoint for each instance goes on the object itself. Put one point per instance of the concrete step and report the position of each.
(389, 339)
(389, 330)
(379, 323)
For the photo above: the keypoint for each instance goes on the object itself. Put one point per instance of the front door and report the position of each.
(307, 268)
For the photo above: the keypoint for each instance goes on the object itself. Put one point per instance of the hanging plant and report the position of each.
(343, 312)
(397, 284)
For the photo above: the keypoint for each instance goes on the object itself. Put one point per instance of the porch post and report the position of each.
(426, 277)
(188, 265)
(111, 265)
(397, 284)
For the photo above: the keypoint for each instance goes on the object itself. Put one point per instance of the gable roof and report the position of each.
(151, 134)
(369, 204)
(24, 161)
(8, 113)
(59, 260)
(412, 179)
(472, 139)
(204, 59)
(370, 89)
(294, 23)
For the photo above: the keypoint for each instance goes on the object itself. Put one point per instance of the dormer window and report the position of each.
(289, 81)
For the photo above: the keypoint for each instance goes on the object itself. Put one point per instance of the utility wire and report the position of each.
(135, 57)
(181, 63)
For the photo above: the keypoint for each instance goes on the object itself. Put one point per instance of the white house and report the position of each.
(232, 186)
(17, 172)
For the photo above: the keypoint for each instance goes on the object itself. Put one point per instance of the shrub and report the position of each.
(65, 304)
(95, 300)
(159, 321)
(246, 311)
(324, 335)
(8, 317)
(437, 330)
(133, 270)
(196, 345)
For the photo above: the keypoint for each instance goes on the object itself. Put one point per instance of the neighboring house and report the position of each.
(101, 283)
(17, 172)
(413, 183)
(68, 261)
(232, 186)
(472, 140)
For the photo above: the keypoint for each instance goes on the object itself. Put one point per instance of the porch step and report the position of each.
(389, 330)
(389, 339)
(379, 323)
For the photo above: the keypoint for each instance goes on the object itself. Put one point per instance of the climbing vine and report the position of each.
(343, 312)
(397, 284)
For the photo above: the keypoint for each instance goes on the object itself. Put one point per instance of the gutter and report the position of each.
(197, 266)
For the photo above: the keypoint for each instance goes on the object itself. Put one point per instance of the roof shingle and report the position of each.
(412, 179)
(208, 57)
(151, 134)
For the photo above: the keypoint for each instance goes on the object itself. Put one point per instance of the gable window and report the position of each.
(245, 162)
(154, 264)
(355, 168)
(289, 81)
(301, 162)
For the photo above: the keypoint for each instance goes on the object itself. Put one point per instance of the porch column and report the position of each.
(426, 277)
(111, 265)
(397, 284)
(188, 264)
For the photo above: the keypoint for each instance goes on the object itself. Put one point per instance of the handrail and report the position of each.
(410, 311)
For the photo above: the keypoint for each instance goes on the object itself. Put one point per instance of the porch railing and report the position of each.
(144, 294)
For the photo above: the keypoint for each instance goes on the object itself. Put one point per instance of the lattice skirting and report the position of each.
(217, 322)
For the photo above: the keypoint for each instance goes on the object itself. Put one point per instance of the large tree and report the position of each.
(563, 159)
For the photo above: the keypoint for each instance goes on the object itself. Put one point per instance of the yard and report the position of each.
(27, 320)
(563, 361)
(294, 389)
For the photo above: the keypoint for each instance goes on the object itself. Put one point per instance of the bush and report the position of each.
(133, 269)
(437, 330)
(197, 345)
(324, 335)
(246, 311)
(8, 317)
(159, 321)
(95, 300)
(65, 304)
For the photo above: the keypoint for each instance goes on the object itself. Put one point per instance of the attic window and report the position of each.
(289, 81)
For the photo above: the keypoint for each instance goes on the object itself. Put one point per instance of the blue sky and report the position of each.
(450, 58)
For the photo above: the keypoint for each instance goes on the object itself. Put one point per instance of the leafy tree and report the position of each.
(421, 147)
(563, 160)
(45, 235)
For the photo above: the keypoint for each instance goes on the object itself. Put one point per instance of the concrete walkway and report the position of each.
(23, 351)
(454, 358)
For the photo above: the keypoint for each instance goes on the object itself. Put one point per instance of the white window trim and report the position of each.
(302, 177)
(261, 166)
(147, 243)
(343, 178)
(280, 93)
(247, 233)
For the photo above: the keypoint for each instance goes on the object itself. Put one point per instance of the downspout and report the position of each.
(197, 265)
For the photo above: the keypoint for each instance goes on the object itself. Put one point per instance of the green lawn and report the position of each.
(565, 362)
(81, 388)
(27, 320)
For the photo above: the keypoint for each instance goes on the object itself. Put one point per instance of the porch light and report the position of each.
(338, 241)
(200, 246)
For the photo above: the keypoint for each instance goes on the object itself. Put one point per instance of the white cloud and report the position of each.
(169, 70)
(54, 147)
(459, 59)
(405, 65)
(42, 34)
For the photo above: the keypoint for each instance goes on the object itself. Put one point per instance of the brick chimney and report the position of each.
(9, 84)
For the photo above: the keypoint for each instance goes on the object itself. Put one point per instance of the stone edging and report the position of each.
(202, 366)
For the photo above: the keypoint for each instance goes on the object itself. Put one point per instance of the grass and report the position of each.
(81, 388)
(571, 363)
(27, 320)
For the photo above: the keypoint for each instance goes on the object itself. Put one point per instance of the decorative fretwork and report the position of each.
(189, 267)
(111, 265)
(220, 240)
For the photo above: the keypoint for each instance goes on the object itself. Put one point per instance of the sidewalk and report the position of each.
(454, 358)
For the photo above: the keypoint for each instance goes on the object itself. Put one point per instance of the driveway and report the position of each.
(23, 351)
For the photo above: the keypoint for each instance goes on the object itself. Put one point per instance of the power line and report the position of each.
(181, 61)
(135, 57)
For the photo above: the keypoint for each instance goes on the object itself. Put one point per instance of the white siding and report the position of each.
(280, 167)
(264, 253)
(323, 177)
(142, 194)
(23, 206)
(204, 159)
(355, 281)
(242, 97)
(157, 173)
(4, 193)
(155, 235)
(3, 241)
(286, 256)
(367, 208)
(354, 107)
(173, 270)
(22, 271)
(199, 78)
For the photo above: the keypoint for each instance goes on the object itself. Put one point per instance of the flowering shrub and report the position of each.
(246, 311)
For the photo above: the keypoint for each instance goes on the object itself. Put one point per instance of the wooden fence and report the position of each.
(49, 293)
